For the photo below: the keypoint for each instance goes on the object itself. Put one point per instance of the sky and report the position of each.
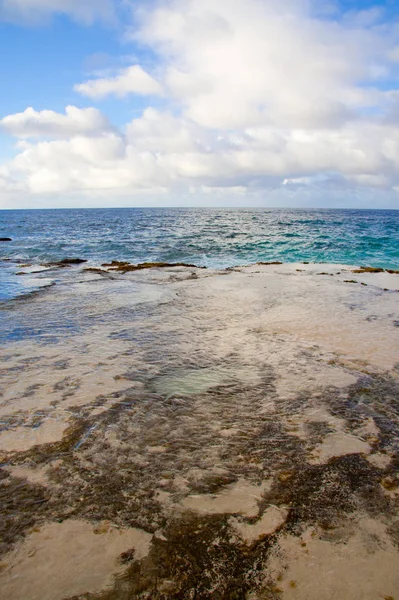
(199, 103)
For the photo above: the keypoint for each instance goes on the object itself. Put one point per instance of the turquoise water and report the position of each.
(216, 238)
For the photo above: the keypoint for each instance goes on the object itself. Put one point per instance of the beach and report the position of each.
(183, 432)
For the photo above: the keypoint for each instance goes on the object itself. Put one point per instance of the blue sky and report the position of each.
(223, 102)
(40, 64)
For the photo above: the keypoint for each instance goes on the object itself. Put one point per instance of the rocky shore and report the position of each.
(169, 432)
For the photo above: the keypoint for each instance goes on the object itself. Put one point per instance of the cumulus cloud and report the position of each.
(47, 123)
(159, 150)
(257, 96)
(258, 62)
(131, 80)
(84, 164)
(164, 133)
(35, 11)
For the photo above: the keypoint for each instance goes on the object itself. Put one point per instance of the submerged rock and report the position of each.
(66, 262)
(71, 261)
(95, 270)
(124, 267)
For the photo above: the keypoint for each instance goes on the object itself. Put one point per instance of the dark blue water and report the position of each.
(204, 236)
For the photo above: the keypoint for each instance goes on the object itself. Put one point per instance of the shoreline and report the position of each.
(28, 271)
(220, 432)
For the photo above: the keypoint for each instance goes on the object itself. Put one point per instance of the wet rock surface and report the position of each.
(239, 434)
(66, 262)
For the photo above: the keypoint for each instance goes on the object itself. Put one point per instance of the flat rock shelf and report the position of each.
(170, 432)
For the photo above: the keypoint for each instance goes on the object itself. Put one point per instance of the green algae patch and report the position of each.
(322, 494)
(368, 270)
(94, 270)
(116, 263)
(22, 505)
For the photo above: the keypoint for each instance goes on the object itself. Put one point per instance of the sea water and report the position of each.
(216, 238)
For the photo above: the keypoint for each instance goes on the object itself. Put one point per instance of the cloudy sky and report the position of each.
(199, 102)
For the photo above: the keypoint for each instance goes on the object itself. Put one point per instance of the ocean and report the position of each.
(216, 238)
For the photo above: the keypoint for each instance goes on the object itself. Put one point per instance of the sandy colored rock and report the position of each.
(24, 438)
(271, 520)
(365, 567)
(66, 559)
(240, 497)
(338, 444)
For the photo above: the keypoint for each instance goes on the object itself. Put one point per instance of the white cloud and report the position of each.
(47, 123)
(163, 133)
(258, 96)
(83, 163)
(131, 80)
(233, 64)
(162, 151)
(35, 11)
